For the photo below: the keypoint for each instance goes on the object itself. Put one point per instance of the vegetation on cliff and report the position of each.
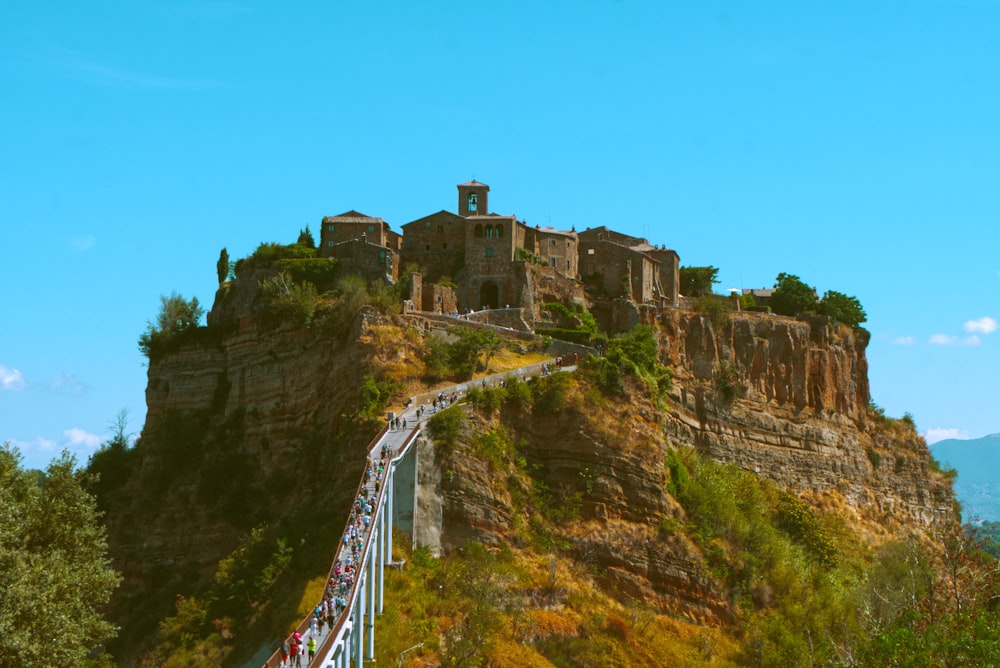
(803, 586)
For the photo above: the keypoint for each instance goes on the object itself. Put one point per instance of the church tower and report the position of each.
(473, 198)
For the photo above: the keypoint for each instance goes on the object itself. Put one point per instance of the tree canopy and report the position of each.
(177, 316)
(54, 571)
(792, 296)
(698, 281)
(841, 307)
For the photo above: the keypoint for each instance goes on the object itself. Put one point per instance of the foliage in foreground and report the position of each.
(55, 574)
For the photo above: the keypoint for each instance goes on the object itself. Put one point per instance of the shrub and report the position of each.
(716, 309)
(445, 427)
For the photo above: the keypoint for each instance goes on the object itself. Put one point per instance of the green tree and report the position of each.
(222, 266)
(306, 238)
(110, 466)
(840, 307)
(698, 281)
(177, 316)
(792, 296)
(54, 567)
(474, 349)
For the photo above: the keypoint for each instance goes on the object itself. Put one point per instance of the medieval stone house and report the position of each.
(477, 259)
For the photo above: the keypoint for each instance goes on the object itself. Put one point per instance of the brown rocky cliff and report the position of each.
(247, 429)
(803, 420)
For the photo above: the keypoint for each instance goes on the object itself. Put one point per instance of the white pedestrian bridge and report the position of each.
(351, 640)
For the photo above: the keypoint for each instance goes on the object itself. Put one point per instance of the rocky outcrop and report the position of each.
(243, 430)
(786, 399)
(798, 412)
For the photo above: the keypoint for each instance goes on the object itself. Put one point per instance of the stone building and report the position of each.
(366, 260)
(614, 265)
(436, 243)
(477, 259)
(352, 225)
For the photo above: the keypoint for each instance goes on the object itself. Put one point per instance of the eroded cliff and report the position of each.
(785, 399)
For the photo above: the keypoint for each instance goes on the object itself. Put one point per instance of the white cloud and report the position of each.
(903, 341)
(984, 325)
(943, 339)
(40, 444)
(67, 383)
(940, 434)
(11, 379)
(971, 341)
(80, 438)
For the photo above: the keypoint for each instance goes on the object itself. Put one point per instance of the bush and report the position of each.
(445, 428)
(716, 309)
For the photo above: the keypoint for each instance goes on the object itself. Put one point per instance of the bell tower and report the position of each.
(473, 198)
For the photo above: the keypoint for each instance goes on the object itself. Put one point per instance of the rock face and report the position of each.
(244, 431)
(248, 429)
(786, 399)
(803, 419)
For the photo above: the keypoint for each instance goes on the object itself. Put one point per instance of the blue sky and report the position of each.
(854, 144)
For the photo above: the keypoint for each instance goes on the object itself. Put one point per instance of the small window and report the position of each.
(498, 232)
(440, 229)
(330, 244)
(427, 224)
(381, 255)
(473, 202)
(371, 228)
(552, 242)
(590, 251)
(569, 244)
(552, 262)
(489, 251)
(330, 228)
(568, 265)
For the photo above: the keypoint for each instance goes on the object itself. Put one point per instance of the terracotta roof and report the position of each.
(473, 182)
(352, 214)
(552, 230)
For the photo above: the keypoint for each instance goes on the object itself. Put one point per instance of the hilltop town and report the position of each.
(477, 260)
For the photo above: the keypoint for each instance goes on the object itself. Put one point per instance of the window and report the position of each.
(552, 262)
(590, 251)
(427, 224)
(330, 228)
(473, 202)
(568, 265)
(552, 242)
(489, 251)
(330, 244)
(498, 232)
(440, 229)
(371, 228)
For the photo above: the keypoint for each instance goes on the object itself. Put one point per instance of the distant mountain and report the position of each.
(978, 484)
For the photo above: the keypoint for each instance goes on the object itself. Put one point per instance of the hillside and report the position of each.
(977, 485)
(255, 437)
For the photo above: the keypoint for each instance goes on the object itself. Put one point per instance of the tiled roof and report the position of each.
(473, 182)
(353, 215)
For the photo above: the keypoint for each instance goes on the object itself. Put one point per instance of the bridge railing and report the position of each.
(275, 658)
(336, 634)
